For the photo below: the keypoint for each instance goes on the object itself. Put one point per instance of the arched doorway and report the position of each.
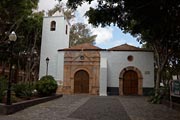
(130, 83)
(81, 82)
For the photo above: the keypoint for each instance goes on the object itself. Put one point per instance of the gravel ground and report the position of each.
(87, 107)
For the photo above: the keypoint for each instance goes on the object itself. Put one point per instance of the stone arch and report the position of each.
(140, 79)
(81, 68)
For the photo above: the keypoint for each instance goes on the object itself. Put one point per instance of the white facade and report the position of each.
(52, 40)
(112, 62)
(117, 61)
(103, 77)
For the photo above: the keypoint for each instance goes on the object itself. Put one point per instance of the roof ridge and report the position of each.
(125, 47)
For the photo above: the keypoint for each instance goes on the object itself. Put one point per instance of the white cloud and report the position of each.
(48, 4)
(103, 34)
(106, 37)
(81, 10)
(111, 43)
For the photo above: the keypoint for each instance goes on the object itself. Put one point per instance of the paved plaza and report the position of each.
(87, 107)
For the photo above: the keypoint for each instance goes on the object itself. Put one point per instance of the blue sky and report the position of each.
(118, 37)
(106, 37)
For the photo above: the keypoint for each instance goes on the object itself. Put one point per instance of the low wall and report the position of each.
(10, 109)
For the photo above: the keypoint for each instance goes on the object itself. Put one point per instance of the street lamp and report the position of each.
(47, 62)
(12, 38)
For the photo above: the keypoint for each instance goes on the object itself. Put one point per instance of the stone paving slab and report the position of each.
(67, 107)
(57, 109)
(138, 108)
(101, 108)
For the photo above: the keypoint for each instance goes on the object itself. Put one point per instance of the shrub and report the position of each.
(24, 90)
(156, 99)
(46, 86)
(3, 87)
(162, 94)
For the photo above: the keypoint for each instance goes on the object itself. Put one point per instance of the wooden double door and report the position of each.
(130, 83)
(81, 82)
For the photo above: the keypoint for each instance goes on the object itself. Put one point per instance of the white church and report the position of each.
(87, 69)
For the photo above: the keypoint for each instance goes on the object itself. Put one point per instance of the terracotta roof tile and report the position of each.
(88, 46)
(126, 47)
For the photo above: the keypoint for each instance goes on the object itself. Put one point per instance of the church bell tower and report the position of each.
(55, 36)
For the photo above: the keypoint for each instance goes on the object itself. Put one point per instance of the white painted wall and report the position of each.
(117, 61)
(103, 77)
(60, 66)
(51, 42)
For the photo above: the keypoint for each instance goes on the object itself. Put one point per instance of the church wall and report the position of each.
(52, 41)
(117, 61)
(60, 66)
(103, 77)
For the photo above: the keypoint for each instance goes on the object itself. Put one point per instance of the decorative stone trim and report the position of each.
(73, 63)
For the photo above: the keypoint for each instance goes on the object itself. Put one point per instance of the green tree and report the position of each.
(174, 65)
(12, 13)
(80, 33)
(154, 22)
(18, 16)
(29, 45)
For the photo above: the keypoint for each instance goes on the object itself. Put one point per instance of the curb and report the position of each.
(15, 107)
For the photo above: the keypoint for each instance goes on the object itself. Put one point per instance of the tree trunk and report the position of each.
(158, 79)
(161, 59)
(3, 65)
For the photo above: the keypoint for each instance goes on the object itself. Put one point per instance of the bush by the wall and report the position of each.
(162, 94)
(3, 87)
(24, 90)
(46, 86)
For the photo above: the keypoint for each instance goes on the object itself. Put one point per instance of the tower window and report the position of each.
(66, 29)
(53, 26)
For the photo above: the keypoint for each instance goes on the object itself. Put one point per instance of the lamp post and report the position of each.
(47, 62)
(12, 38)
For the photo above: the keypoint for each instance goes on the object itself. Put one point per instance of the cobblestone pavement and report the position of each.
(86, 107)
(101, 108)
(139, 109)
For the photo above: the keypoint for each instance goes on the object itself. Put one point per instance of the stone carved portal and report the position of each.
(130, 81)
(81, 72)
